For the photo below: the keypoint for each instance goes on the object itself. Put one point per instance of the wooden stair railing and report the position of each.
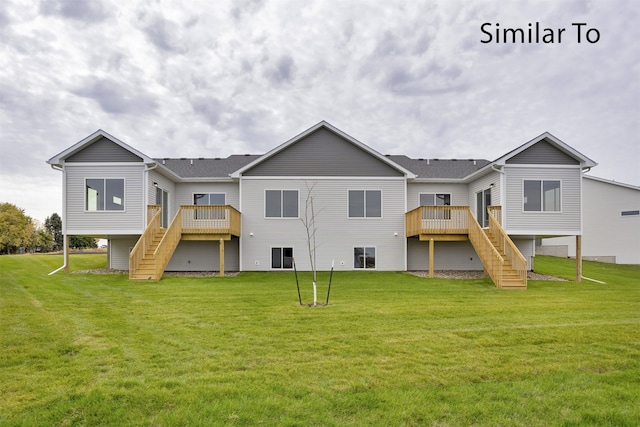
(145, 242)
(513, 257)
(163, 253)
(491, 259)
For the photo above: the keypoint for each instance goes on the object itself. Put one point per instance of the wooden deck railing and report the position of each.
(437, 220)
(506, 246)
(167, 245)
(490, 257)
(146, 239)
(496, 212)
(210, 219)
(151, 211)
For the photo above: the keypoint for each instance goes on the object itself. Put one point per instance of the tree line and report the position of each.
(20, 233)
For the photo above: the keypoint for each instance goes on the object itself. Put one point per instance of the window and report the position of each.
(281, 258)
(365, 204)
(630, 213)
(483, 201)
(209, 199)
(364, 257)
(438, 199)
(281, 204)
(541, 196)
(104, 194)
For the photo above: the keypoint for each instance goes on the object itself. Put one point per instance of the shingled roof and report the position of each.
(207, 167)
(440, 168)
(223, 167)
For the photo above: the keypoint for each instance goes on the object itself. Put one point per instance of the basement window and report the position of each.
(630, 213)
(281, 258)
(364, 257)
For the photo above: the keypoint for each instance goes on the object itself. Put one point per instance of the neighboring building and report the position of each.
(372, 211)
(611, 224)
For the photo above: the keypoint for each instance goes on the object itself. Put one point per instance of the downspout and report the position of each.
(64, 236)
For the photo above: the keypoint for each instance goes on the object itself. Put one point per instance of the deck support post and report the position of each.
(221, 257)
(431, 256)
(578, 258)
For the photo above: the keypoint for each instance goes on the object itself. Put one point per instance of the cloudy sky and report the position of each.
(209, 78)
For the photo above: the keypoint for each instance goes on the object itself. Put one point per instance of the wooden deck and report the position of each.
(153, 251)
(500, 257)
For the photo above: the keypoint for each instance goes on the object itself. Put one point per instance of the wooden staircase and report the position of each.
(155, 247)
(146, 269)
(511, 279)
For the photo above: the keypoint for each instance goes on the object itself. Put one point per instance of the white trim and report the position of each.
(119, 233)
(365, 217)
(100, 164)
(326, 178)
(540, 166)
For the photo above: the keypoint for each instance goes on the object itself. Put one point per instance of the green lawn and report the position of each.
(390, 349)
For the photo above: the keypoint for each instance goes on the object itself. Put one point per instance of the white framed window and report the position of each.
(104, 194)
(281, 204)
(364, 257)
(435, 199)
(365, 203)
(209, 199)
(541, 195)
(281, 258)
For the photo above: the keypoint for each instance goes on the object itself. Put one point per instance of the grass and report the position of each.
(390, 349)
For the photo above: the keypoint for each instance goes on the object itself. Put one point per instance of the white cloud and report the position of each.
(411, 77)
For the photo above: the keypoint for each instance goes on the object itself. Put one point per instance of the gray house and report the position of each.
(372, 211)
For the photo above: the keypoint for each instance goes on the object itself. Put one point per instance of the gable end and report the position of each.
(103, 150)
(542, 153)
(323, 153)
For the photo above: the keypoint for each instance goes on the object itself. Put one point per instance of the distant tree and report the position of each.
(81, 242)
(53, 224)
(17, 230)
(43, 240)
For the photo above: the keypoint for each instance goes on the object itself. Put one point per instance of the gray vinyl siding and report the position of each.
(337, 235)
(167, 185)
(119, 249)
(129, 221)
(447, 256)
(204, 256)
(323, 153)
(527, 248)
(542, 153)
(459, 193)
(103, 150)
(565, 222)
(484, 183)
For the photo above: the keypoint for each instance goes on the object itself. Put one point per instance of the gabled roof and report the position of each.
(324, 124)
(59, 158)
(434, 169)
(207, 167)
(583, 160)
